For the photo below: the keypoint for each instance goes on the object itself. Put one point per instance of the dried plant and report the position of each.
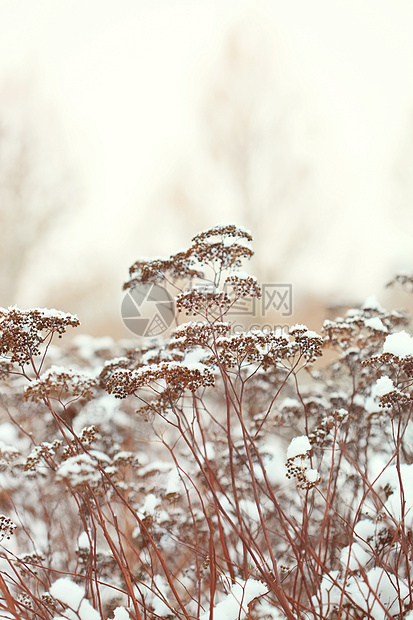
(198, 476)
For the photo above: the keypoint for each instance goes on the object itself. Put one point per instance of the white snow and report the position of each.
(298, 326)
(51, 313)
(120, 613)
(155, 596)
(209, 450)
(9, 434)
(250, 509)
(8, 452)
(194, 357)
(83, 541)
(79, 469)
(375, 323)
(366, 590)
(167, 366)
(309, 333)
(354, 556)
(312, 475)
(329, 593)
(364, 531)
(67, 592)
(56, 314)
(174, 482)
(383, 386)
(148, 508)
(400, 503)
(73, 595)
(273, 461)
(399, 344)
(159, 603)
(235, 604)
(371, 303)
(87, 346)
(290, 403)
(298, 446)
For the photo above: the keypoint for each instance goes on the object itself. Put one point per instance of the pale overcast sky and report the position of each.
(125, 78)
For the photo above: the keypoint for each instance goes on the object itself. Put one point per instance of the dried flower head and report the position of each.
(41, 454)
(176, 267)
(23, 331)
(362, 329)
(59, 383)
(80, 470)
(7, 527)
(307, 343)
(198, 333)
(321, 434)
(172, 377)
(217, 248)
(206, 300)
(298, 463)
(242, 285)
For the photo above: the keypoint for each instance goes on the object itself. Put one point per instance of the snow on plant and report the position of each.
(197, 476)
(235, 605)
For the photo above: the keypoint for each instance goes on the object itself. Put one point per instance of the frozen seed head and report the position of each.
(222, 247)
(59, 382)
(23, 331)
(172, 377)
(7, 527)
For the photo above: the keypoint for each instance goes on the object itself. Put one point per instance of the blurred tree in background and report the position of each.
(250, 165)
(37, 187)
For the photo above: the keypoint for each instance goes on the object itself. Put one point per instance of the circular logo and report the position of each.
(148, 310)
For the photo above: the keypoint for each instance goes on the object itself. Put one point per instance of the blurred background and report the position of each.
(128, 126)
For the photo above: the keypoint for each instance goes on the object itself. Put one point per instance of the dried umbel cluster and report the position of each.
(220, 248)
(204, 301)
(23, 331)
(171, 377)
(61, 384)
(7, 527)
(199, 333)
(298, 463)
(325, 431)
(363, 329)
(41, 454)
